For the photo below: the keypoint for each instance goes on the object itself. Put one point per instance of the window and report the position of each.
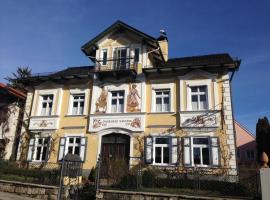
(136, 55)
(161, 150)
(201, 151)
(46, 105)
(78, 104)
(250, 154)
(73, 145)
(104, 56)
(38, 149)
(199, 98)
(162, 100)
(117, 101)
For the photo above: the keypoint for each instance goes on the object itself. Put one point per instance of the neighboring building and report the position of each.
(246, 145)
(11, 114)
(134, 102)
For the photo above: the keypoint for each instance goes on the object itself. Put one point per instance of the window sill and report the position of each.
(76, 115)
(44, 116)
(161, 112)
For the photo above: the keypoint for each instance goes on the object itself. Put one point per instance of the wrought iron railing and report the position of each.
(173, 179)
(116, 64)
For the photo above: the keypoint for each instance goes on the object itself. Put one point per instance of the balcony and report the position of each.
(110, 64)
(44, 123)
(200, 119)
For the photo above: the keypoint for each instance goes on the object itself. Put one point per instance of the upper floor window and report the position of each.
(117, 103)
(104, 56)
(78, 104)
(162, 100)
(46, 105)
(120, 57)
(136, 54)
(199, 97)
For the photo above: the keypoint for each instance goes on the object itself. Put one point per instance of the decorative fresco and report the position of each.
(133, 99)
(101, 103)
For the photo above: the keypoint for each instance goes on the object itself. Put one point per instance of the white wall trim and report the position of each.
(86, 92)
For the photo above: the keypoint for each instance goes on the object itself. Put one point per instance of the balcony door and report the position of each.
(121, 58)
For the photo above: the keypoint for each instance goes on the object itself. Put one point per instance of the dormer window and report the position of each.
(120, 58)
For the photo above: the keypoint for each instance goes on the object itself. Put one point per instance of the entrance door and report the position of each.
(115, 148)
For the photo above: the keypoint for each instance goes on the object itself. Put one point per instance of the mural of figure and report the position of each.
(101, 103)
(132, 99)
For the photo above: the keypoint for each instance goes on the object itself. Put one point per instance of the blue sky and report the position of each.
(47, 36)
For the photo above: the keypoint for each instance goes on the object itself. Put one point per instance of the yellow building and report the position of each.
(134, 102)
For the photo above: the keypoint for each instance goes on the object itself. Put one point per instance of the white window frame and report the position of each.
(206, 78)
(86, 100)
(73, 145)
(117, 99)
(57, 99)
(201, 146)
(198, 83)
(162, 146)
(47, 103)
(198, 95)
(36, 145)
(64, 146)
(162, 86)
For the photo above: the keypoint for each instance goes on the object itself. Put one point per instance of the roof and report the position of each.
(245, 129)
(223, 60)
(12, 91)
(211, 59)
(68, 73)
(91, 45)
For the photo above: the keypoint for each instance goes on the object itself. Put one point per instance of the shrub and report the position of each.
(92, 174)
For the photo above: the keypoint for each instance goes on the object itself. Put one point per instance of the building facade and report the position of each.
(134, 102)
(11, 113)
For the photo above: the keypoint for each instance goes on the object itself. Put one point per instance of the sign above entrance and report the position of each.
(125, 121)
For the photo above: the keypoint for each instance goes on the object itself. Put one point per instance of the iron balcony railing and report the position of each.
(116, 64)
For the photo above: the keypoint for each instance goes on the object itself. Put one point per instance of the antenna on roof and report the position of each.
(162, 32)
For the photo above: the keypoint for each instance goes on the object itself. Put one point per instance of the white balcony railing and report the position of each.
(44, 123)
(202, 119)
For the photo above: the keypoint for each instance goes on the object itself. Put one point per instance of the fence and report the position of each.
(38, 173)
(190, 181)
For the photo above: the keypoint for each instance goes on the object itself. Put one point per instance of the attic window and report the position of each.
(136, 54)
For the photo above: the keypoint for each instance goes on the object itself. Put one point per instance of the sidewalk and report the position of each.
(12, 196)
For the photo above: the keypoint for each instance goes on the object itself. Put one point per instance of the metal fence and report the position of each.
(190, 181)
(30, 172)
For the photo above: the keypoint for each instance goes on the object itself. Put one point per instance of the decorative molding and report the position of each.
(43, 123)
(128, 122)
(200, 119)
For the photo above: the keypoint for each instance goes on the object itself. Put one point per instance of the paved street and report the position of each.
(10, 196)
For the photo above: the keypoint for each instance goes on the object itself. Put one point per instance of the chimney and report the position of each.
(163, 43)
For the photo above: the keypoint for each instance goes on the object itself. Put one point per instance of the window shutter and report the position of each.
(174, 150)
(61, 151)
(148, 149)
(83, 148)
(48, 148)
(30, 149)
(187, 151)
(215, 151)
